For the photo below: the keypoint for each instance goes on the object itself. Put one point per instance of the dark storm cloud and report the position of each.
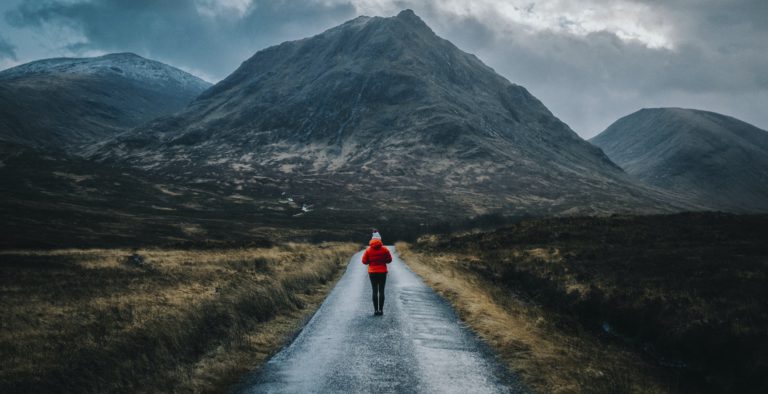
(590, 62)
(202, 36)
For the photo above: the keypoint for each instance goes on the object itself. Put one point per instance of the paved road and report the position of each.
(418, 346)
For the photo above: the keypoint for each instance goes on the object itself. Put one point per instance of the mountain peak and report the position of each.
(405, 19)
(409, 17)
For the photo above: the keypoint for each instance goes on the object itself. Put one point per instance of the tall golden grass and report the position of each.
(179, 320)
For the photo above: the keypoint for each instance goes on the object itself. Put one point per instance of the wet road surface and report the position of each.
(418, 346)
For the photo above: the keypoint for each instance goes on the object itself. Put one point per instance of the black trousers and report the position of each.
(378, 281)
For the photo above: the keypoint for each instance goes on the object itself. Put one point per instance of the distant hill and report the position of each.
(715, 160)
(58, 103)
(381, 116)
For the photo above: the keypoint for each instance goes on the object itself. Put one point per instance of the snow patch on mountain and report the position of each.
(126, 65)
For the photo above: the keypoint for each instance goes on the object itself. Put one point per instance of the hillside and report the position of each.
(63, 102)
(715, 160)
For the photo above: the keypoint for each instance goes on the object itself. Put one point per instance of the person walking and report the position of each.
(376, 257)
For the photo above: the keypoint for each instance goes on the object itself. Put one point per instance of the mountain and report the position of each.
(56, 103)
(716, 160)
(378, 116)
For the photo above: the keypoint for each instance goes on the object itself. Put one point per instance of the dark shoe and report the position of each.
(381, 313)
(377, 313)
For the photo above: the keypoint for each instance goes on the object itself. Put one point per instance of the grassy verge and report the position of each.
(528, 338)
(621, 304)
(173, 320)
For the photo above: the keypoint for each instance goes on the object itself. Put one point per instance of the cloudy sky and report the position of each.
(590, 61)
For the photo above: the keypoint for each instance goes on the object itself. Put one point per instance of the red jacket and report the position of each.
(377, 257)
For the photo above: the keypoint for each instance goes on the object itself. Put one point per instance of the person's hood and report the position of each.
(376, 243)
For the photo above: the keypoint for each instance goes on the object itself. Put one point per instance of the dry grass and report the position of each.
(620, 303)
(179, 320)
(530, 340)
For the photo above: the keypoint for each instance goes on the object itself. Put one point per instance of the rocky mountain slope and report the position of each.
(57, 103)
(713, 159)
(381, 115)
(49, 199)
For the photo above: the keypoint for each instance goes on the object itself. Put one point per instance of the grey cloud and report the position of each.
(589, 81)
(7, 50)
